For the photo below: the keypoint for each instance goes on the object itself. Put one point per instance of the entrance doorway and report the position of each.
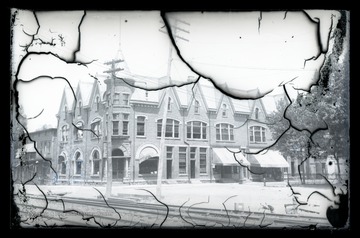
(168, 169)
(118, 164)
(192, 168)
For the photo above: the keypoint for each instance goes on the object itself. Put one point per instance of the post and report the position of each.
(162, 149)
(111, 71)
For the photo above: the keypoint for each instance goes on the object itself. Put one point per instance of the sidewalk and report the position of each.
(249, 196)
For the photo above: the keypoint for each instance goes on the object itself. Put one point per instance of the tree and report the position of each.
(320, 118)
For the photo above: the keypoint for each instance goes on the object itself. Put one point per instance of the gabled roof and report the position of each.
(211, 95)
(143, 96)
(85, 88)
(269, 103)
(241, 106)
(67, 98)
(184, 94)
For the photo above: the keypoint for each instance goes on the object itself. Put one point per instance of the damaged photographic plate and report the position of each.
(196, 120)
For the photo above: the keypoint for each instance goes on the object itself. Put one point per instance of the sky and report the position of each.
(238, 51)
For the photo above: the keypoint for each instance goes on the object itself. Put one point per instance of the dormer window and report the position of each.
(80, 106)
(97, 103)
(224, 110)
(169, 104)
(197, 106)
(256, 113)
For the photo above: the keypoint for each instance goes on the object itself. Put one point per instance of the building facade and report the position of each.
(36, 157)
(207, 133)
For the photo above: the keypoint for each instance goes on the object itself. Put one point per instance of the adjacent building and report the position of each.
(36, 157)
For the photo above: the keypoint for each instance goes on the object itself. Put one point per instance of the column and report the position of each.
(126, 168)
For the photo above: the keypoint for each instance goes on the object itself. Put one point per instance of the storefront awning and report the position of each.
(268, 159)
(225, 157)
(146, 153)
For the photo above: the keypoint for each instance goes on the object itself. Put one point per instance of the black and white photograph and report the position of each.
(180, 119)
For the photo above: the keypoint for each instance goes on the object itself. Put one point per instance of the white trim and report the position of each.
(96, 148)
(138, 151)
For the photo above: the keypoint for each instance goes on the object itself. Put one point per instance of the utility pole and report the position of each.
(111, 71)
(162, 153)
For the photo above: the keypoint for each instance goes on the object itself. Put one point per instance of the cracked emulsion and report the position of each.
(323, 49)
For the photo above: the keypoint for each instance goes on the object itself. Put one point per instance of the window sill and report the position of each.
(95, 176)
(190, 139)
(77, 175)
(96, 138)
(141, 137)
(261, 143)
(225, 141)
(78, 140)
(169, 138)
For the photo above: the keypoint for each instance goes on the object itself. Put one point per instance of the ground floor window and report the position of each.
(182, 160)
(149, 166)
(62, 165)
(202, 160)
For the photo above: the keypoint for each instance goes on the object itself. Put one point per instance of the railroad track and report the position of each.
(69, 211)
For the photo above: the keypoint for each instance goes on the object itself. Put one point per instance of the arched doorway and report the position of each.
(118, 164)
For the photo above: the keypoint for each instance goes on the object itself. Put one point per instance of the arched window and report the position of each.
(78, 131)
(224, 110)
(224, 132)
(257, 134)
(169, 104)
(196, 130)
(64, 133)
(78, 162)
(197, 106)
(171, 129)
(95, 160)
(96, 128)
(62, 165)
(256, 113)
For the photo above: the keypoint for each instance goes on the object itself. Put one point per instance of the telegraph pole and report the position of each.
(162, 153)
(111, 71)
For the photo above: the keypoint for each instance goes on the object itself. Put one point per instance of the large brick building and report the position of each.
(204, 131)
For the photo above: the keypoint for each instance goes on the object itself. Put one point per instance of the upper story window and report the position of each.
(197, 107)
(171, 129)
(115, 127)
(64, 133)
(78, 131)
(256, 113)
(224, 110)
(224, 132)
(140, 126)
(116, 100)
(169, 104)
(96, 128)
(80, 108)
(125, 124)
(97, 103)
(257, 134)
(125, 99)
(196, 130)
(65, 112)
